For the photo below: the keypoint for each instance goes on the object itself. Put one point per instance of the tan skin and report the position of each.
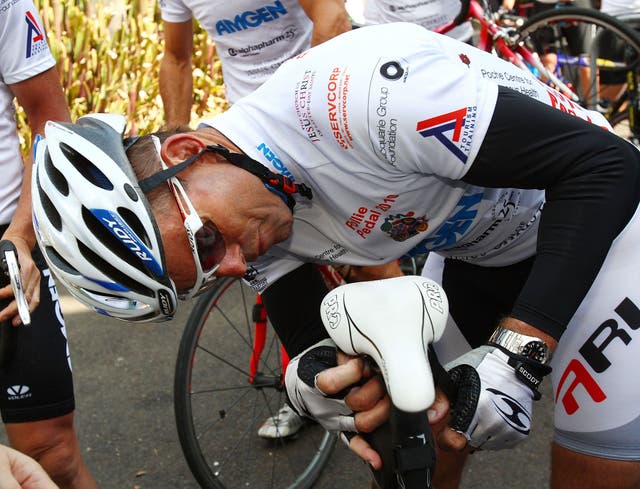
(52, 442)
(330, 18)
(20, 471)
(252, 220)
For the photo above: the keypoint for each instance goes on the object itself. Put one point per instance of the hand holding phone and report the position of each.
(10, 273)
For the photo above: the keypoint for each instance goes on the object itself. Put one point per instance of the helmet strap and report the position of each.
(282, 185)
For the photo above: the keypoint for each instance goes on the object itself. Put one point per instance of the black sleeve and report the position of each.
(293, 306)
(591, 180)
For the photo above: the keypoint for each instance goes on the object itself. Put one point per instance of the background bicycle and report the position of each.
(229, 377)
(597, 56)
(592, 58)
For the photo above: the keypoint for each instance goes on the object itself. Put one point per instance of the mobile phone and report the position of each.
(10, 274)
(10, 271)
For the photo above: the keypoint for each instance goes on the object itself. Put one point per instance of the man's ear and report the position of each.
(178, 147)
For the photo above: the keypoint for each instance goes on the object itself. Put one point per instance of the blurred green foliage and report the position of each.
(109, 60)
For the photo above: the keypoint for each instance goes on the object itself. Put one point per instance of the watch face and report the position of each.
(536, 350)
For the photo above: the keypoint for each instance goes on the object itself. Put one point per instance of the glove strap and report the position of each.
(528, 371)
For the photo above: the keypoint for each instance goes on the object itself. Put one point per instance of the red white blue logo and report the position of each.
(452, 129)
(35, 35)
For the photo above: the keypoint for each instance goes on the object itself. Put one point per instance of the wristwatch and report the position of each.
(530, 347)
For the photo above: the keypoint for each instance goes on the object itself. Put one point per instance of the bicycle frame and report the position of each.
(256, 377)
(259, 316)
(493, 36)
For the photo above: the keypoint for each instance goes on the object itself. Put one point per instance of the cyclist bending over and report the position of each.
(385, 141)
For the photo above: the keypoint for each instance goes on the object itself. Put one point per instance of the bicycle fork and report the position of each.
(256, 377)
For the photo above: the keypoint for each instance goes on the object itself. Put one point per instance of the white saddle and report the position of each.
(393, 321)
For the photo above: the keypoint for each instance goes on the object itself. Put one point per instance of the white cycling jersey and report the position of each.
(24, 53)
(620, 7)
(379, 195)
(369, 120)
(427, 13)
(252, 39)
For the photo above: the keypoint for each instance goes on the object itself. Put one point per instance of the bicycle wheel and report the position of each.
(218, 411)
(624, 128)
(590, 52)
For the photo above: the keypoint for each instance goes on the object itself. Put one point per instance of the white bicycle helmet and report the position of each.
(94, 224)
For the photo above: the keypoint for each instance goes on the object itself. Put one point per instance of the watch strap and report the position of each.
(527, 371)
(514, 342)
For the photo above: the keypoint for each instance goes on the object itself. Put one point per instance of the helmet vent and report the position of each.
(134, 223)
(49, 209)
(114, 245)
(131, 192)
(112, 272)
(57, 260)
(55, 175)
(87, 169)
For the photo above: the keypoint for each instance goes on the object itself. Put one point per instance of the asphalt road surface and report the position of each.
(123, 378)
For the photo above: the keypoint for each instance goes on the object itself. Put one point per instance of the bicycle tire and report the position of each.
(620, 123)
(566, 30)
(218, 412)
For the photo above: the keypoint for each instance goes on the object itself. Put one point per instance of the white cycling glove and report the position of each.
(305, 397)
(495, 397)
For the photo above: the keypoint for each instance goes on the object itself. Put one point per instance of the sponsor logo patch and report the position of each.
(454, 130)
(36, 42)
(401, 227)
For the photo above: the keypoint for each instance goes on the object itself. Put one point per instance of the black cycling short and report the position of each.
(37, 383)
(479, 297)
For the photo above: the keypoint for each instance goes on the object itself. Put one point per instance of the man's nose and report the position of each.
(233, 264)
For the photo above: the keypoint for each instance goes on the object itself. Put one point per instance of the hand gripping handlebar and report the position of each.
(394, 321)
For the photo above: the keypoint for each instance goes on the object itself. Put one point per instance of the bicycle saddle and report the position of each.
(393, 321)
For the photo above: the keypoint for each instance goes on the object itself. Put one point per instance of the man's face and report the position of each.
(249, 218)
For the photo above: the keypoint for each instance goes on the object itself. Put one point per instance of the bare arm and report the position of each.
(42, 99)
(329, 17)
(176, 73)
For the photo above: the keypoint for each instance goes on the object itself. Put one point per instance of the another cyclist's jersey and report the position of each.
(620, 7)
(389, 183)
(252, 38)
(427, 13)
(24, 53)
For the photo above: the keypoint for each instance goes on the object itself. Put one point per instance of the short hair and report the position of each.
(145, 162)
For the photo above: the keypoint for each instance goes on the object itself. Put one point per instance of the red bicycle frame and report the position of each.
(492, 36)
(331, 277)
